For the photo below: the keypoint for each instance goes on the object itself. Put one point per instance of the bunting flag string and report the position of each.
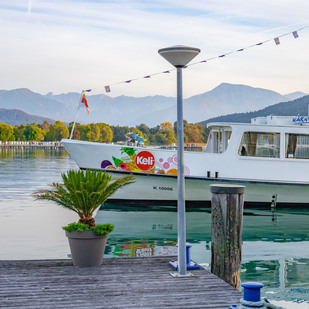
(276, 40)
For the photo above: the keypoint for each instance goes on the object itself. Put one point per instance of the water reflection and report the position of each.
(275, 252)
(22, 171)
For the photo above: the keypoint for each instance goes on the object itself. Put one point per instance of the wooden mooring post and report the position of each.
(227, 205)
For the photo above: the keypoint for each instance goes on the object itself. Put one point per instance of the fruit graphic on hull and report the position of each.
(131, 154)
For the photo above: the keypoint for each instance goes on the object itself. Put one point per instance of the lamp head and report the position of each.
(179, 55)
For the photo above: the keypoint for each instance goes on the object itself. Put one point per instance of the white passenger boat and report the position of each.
(270, 156)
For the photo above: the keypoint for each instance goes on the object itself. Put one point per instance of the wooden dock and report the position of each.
(118, 283)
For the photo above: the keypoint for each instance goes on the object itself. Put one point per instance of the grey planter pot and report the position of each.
(87, 248)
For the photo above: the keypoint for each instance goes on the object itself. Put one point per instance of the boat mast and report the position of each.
(78, 108)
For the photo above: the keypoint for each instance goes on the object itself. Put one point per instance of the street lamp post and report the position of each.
(179, 56)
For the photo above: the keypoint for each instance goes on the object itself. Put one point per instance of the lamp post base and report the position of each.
(177, 275)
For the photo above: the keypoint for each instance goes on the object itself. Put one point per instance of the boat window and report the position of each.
(260, 144)
(218, 140)
(297, 146)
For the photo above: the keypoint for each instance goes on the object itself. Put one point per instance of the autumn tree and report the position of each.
(166, 135)
(45, 126)
(166, 125)
(204, 131)
(192, 133)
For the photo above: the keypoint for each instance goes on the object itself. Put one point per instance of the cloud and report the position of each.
(72, 45)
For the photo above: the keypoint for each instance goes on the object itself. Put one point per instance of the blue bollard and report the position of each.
(190, 265)
(252, 291)
(252, 295)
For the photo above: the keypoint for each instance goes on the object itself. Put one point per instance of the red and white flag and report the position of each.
(84, 101)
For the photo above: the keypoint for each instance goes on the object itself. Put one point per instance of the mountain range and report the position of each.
(291, 108)
(131, 111)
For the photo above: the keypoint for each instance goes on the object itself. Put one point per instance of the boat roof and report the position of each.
(271, 121)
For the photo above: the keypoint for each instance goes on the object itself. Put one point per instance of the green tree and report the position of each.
(57, 132)
(85, 132)
(175, 125)
(60, 130)
(144, 129)
(19, 132)
(34, 133)
(106, 133)
(170, 136)
(166, 137)
(95, 134)
(76, 133)
(6, 132)
(119, 133)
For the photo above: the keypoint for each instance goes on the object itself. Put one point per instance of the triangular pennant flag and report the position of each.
(221, 56)
(203, 61)
(166, 72)
(84, 100)
(148, 76)
(295, 34)
(88, 90)
(259, 44)
(107, 89)
(241, 49)
(277, 41)
(128, 81)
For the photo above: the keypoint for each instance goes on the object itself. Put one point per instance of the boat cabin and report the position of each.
(283, 137)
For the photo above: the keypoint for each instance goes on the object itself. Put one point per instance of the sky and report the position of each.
(63, 46)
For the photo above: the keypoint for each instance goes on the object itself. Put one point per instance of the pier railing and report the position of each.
(30, 144)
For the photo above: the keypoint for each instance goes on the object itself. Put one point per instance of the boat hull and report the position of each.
(152, 189)
(155, 172)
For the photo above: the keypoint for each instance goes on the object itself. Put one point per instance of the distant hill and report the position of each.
(291, 108)
(15, 117)
(151, 110)
(32, 103)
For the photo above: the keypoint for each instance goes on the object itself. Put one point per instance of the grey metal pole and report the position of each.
(181, 181)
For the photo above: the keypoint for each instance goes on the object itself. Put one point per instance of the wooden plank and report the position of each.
(118, 283)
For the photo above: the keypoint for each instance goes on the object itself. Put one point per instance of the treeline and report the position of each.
(163, 134)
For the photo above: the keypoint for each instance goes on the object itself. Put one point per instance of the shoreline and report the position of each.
(30, 144)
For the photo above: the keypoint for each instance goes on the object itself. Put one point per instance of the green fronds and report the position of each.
(83, 191)
(100, 229)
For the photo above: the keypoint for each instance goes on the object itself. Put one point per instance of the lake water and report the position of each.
(275, 246)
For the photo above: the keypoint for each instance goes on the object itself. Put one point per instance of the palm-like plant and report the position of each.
(83, 192)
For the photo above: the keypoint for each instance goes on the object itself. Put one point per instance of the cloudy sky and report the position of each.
(62, 46)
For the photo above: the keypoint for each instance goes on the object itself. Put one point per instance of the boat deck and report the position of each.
(118, 283)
